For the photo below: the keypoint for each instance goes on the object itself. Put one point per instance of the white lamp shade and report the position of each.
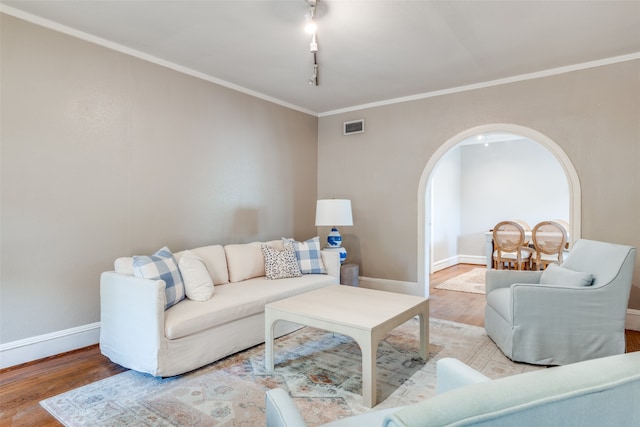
(333, 212)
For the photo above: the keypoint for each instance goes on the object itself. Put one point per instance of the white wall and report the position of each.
(508, 180)
(445, 210)
(516, 179)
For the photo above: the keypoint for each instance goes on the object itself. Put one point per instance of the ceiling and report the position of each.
(369, 51)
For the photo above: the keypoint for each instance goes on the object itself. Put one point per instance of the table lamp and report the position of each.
(333, 213)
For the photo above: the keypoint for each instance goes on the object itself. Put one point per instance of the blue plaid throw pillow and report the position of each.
(309, 257)
(161, 266)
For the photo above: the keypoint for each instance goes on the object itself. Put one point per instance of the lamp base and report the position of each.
(334, 240)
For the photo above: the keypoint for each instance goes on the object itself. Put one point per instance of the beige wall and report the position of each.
(594, 115)
(105, 155)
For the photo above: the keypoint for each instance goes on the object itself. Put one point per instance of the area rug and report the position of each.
(320, 370)
(472, 281)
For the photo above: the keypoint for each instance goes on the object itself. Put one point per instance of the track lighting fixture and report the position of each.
(310, 28)
(313, 46)
(314, 78)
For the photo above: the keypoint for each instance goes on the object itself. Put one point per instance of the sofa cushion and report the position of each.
(308, 255)
(235, 301)
(161, 266)
(197, 281)
(214, 259)
(280, 264)
(556, 275)
(244, 261)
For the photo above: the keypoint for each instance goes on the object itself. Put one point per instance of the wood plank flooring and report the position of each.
(461, 307)
(23, 387)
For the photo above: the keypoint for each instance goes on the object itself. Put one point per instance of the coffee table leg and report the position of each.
(268, 342)
(424, 334)
(369, 377)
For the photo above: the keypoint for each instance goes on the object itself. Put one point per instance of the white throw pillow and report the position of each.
(556, 275)
(197, 280)
(214, 259)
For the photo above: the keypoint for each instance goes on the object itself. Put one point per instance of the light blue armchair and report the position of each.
(601, 392)
(566, 313)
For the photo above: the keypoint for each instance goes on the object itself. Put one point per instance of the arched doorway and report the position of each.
(424, 214)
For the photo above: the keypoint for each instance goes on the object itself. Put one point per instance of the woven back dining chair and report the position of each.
(549, 241)
(509, 246)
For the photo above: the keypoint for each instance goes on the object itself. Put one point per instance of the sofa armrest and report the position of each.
(452, 373)
(505, 278)
(281, 411)
(331, 261)
(132, 320)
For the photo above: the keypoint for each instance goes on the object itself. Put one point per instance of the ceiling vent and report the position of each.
(356, 126)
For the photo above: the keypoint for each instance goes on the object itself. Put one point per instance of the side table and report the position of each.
(349, 274)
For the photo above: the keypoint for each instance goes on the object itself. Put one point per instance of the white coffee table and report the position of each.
(365, 315)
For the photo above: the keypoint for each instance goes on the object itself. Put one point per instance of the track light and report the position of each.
(313, 46)
(310, 28)
(313, 81)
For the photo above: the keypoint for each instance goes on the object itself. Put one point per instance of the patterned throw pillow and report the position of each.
(309, 256)
(280, 264)
(161, 266)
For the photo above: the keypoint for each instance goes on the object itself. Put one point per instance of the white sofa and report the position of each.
(138, 333)
(597, 392)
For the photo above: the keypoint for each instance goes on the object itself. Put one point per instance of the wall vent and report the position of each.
(356, 126)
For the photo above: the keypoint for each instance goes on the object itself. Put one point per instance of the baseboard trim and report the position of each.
(38, 347)
(458, 259)
(445, 263)
(633, 320)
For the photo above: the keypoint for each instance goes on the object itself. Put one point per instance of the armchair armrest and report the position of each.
(132, 320)
(562, 320)
(281, 411)
(564, 305)
(504, 278)
(452, 373)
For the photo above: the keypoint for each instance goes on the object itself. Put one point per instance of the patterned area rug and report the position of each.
(321, 370)
(471, 281)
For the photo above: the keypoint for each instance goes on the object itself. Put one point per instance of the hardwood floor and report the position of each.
(23, 387)
(462, 307)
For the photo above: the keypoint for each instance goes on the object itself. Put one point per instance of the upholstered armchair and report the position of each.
(564, 314)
